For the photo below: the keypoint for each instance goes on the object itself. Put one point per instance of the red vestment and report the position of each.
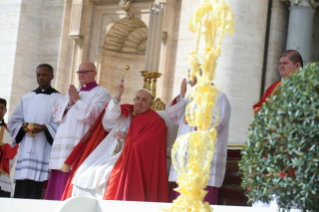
(269, 92)
(140, 172)
(7, 153)
(92, 138)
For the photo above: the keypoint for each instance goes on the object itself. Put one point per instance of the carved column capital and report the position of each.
(314, 3)
(76, 18)
(307, 3)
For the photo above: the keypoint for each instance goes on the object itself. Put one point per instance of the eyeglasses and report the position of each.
(3, 108)
(83, 72)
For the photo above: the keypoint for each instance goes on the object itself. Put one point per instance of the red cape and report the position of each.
(87, 144)
(269, 92)
(140, 172)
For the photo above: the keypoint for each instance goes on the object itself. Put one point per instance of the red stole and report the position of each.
(7, 153)
(269, 93)
(92, 138)
(140, 172)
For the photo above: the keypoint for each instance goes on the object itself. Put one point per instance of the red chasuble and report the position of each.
(269, 92)
(86, 146)
(140, 172)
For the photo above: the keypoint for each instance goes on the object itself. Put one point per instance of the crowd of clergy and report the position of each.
(89, 144)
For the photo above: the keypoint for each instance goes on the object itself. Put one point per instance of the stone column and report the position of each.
(300, 27)
(277, 40)
(75, 34)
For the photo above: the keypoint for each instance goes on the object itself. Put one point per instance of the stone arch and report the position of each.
(127, 36)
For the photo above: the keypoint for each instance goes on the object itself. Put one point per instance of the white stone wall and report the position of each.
(9, 24)
(32, 37)
(113, 64)
(239, 67)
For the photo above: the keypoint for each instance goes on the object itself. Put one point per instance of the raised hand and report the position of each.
(120, 135)
(74, 95)
(120, 89)
(183, 88)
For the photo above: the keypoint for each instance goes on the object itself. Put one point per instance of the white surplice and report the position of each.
(218, 165)
(75, 122)
(93, 174)
(6, 182)
(34, 152)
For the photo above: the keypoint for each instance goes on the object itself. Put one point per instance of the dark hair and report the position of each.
(46, 65)
(3, 101)
(294, 56)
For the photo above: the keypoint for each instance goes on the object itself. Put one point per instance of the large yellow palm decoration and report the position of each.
(193, 152)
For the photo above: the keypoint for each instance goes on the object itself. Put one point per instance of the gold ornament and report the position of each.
(127, 67)
(118, 147)
(31, 127)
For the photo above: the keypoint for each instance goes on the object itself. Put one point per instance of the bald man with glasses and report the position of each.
(75, 115)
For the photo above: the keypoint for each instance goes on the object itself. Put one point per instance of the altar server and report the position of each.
(7, 154)
(33, 160)
(176, 112)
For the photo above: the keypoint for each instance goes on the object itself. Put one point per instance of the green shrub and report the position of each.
(281, 154)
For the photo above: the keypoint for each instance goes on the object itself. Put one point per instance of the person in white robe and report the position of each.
(5, 150)
(176, 112)
(75, 114)
(32, 166)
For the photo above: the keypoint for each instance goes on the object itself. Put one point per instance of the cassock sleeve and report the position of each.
(52, 126)
(15, 124)
(59, 110)
(176, 109)
(224, 111)
(89, 111)
(111, 116)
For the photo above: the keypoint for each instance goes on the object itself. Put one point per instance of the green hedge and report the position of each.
(281, 155)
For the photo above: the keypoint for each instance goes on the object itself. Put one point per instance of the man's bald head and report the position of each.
(143, 101)
(87, 73)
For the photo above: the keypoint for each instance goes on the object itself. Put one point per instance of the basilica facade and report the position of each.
(65, 33)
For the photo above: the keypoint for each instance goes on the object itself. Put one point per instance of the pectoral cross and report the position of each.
(30, 152)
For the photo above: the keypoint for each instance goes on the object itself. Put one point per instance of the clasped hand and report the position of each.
(73, 95)
(38, 128)
(120, 135)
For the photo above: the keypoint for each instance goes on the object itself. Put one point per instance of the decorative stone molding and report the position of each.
(76, 15)
(126, 5)
(127, 36)
(312, 3)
